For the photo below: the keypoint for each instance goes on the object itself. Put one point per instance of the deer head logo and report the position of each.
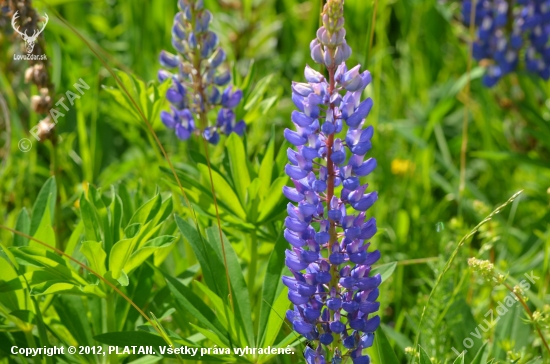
(30, 41)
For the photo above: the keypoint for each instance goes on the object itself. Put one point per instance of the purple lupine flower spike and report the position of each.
(504, 29)
(199, 84)
(333, 292)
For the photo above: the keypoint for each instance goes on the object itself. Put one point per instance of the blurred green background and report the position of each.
(418, 61)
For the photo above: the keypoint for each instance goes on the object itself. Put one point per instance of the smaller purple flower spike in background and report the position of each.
(504, 29)
(332, 288)
(199, 83)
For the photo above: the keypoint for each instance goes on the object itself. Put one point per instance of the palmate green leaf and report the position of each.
(241, 299)
(58, 287)
(49, 261)
(23, 225)
(150, 247)
(225, 192)
(382, 352)
(207, 258)
(32, 278)
(94, 253)
(45, 200)
(238, 163)
(424, 357)
(188, 302)
(201, 195)
(272, 287)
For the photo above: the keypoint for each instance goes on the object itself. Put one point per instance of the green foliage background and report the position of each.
(107, 165)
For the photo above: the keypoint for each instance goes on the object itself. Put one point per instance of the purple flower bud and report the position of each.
(302, 327)
(168, 60)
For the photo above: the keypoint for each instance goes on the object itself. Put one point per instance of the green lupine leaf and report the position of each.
(56, 287)
(44, 232)
(272, 287)
(51, 262)
(266, 168)
(238, 162)
(23, 225)
(276, 318)
(148, 211)
(116, 217)
(150, 247)
(91, 222)
(24, 315)
(207, 258)
(120, 254)
(382, 352)
(187, 301)
(241, 299)
(94, 253)
(11, 296)
(46, 200)
(72, 314)
(385, 270)
(227, 318)
(132, 230)
(102, 213)
(229, 197)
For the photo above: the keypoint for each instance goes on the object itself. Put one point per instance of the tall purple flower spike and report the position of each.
(504, 29)
(333, 293)
(198, 82)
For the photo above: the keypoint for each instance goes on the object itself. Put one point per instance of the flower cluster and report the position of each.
(332, 290)
(199, 84)
(503, 30)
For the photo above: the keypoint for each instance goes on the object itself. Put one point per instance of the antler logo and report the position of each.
(30, 41)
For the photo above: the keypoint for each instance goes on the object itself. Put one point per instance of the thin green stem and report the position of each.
(253, 267)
